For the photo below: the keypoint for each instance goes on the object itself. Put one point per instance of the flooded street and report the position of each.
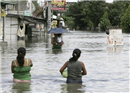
(107, 67)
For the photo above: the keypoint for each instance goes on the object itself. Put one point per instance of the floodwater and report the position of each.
(107, 67)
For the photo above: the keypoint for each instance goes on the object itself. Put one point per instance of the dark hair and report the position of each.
(55, 35)
(76, 54)
(59, 35)
(107, 32)
(20, 58)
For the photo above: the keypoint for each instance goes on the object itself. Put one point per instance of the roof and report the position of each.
(28, 18)
(8, 2)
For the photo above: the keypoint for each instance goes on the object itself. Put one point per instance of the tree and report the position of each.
(0, 12)
(76, 12)
(69, 21)
(37, 6)
(116, 10)
(104, 21)
(93, 11)
(125, 20)
(90, 13)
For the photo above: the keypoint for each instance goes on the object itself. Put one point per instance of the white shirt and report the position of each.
(59, 39)
(21, 32)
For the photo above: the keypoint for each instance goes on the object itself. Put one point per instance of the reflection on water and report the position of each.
(21, 87)
(56, 51)
(73, 88)
(107, 66)
(116, 49)
(21, 43)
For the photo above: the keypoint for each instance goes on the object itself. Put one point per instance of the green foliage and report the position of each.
(69, 21)
(125, 20)
(0, 15)
(23, 1)
(54, 13)
(104, 21)
(94, 11)
(90, 13)
(37, 6)
(122, 0)
(0, 12)
(86, 13)
(115, 11)
(90, 24)
(75, 11)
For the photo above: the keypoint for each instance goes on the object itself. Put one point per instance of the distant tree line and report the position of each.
(92, 14)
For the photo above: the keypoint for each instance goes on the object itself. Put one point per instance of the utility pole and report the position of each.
(3, 29)
(49, 14)
(18, 7)
(30, 5)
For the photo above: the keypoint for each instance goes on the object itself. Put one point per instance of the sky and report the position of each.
(109, 1)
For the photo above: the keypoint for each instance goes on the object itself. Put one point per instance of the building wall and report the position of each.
(11, 27)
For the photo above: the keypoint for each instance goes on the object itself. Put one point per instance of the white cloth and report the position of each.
(59, 39)
(21, 32)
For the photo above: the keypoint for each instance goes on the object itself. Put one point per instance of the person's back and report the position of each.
(74, 70)
(22, 73)
(21, 67)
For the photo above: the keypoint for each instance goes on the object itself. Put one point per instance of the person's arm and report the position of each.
(63, 67)
(61, 43)
(30, 63)
(52, 41)
(84, 69)
(12, 67)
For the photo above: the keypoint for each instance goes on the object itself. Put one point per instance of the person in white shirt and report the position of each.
(57, 41)
(21, 31)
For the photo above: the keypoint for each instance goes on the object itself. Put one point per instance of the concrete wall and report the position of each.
(11, 27)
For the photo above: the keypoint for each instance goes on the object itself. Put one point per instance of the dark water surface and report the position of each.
(107, 67)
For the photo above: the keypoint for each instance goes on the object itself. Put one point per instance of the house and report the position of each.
(5, 24)
(16, 13)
